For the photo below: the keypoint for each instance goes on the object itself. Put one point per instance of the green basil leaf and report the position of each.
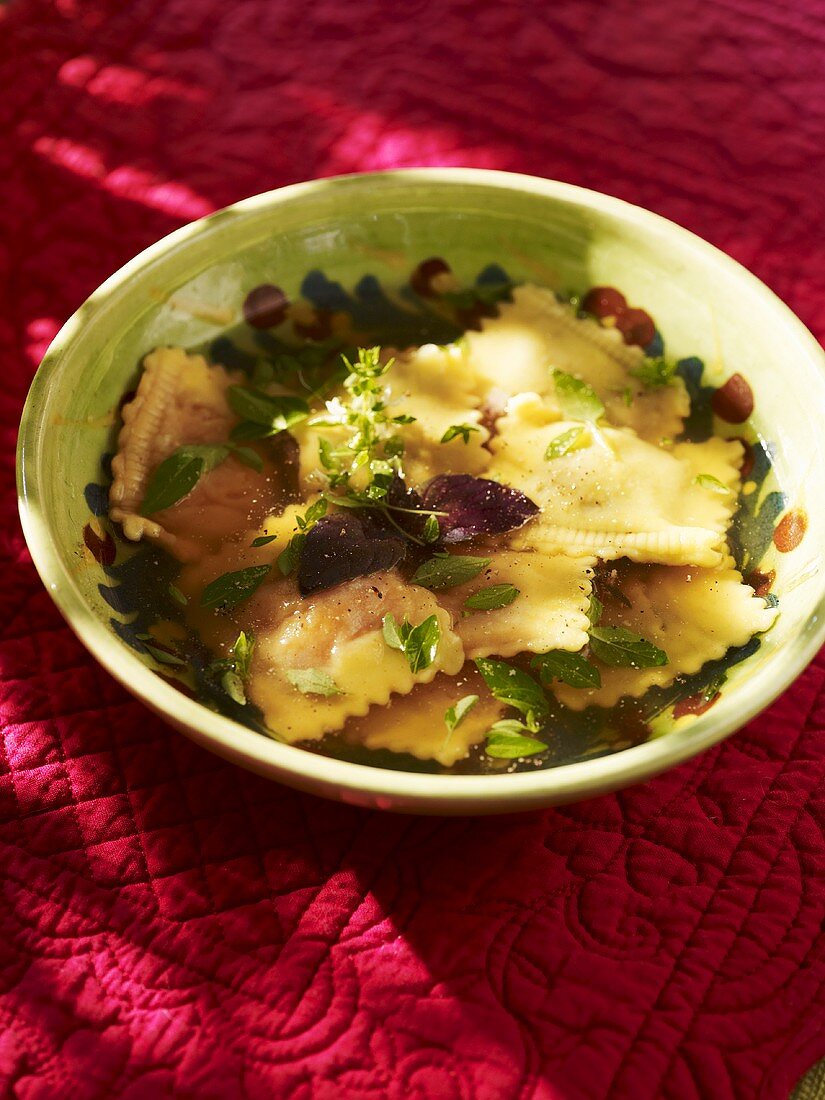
(276, 412)
(392, 633)
(506, 741)
(456, 430)
(515, 688)
(242, 652)
(578, 400)
(212, 454)
(164, 658)
(563, 443)
(708, 481)
(288, 557)
(232, 684)
(594, 611)
(621, 648)
(570, 668)
(233, 588)
(421, 645)
(178, 475)
(432, 532)
(312, 681)
(315, 511)
(177, 595)
(248, 430)
(329, 455)
(654, 371)
(264, 540)
(456, 714)
(448, 570)
(249, 458)
(488, 599)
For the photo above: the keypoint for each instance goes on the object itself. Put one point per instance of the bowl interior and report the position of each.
(366, 235)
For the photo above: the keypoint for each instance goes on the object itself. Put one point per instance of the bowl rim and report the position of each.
(385, 787)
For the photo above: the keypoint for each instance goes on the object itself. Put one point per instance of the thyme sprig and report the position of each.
(373, 443)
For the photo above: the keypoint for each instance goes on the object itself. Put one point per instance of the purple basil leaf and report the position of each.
(475, 506)
(402, 502)
(342, 546)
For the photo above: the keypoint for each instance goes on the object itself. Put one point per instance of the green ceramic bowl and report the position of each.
(189, 287)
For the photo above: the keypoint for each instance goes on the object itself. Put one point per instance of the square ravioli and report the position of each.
(550, 611)
(536, 334)
(614, 495)
(694, 615)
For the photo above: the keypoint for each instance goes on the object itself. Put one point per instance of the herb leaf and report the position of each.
(392, 633)
(249, 430)
(468, 506)
(708, 481)
(233, 588)
(264, 540)
(177, 595)
(595, 609)
(491, 598)
(431, 532)
(506, 740)
(288, 557)
(448, 570)
(515, 688)
(178, 475)
(232, 684)
(273, 412)
(342, 546)
(456, 430)
(291, 553)
(249, 458)
(654, 371)
(563, 443)
(571, 668)
(419, 644)
(621, 648)
(162, 657)
(312, 681)
(373, 441)
(578, 400)
(242, 652)
(456, 714)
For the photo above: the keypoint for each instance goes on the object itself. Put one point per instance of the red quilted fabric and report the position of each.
(170, 925)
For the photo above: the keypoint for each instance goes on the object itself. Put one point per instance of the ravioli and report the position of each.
(339, 633)
(616, 495)
(536, 334)
(550, 611)
(550, 501)
(180, 400)
(694, 615)
(436, 386)
(416, 721)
